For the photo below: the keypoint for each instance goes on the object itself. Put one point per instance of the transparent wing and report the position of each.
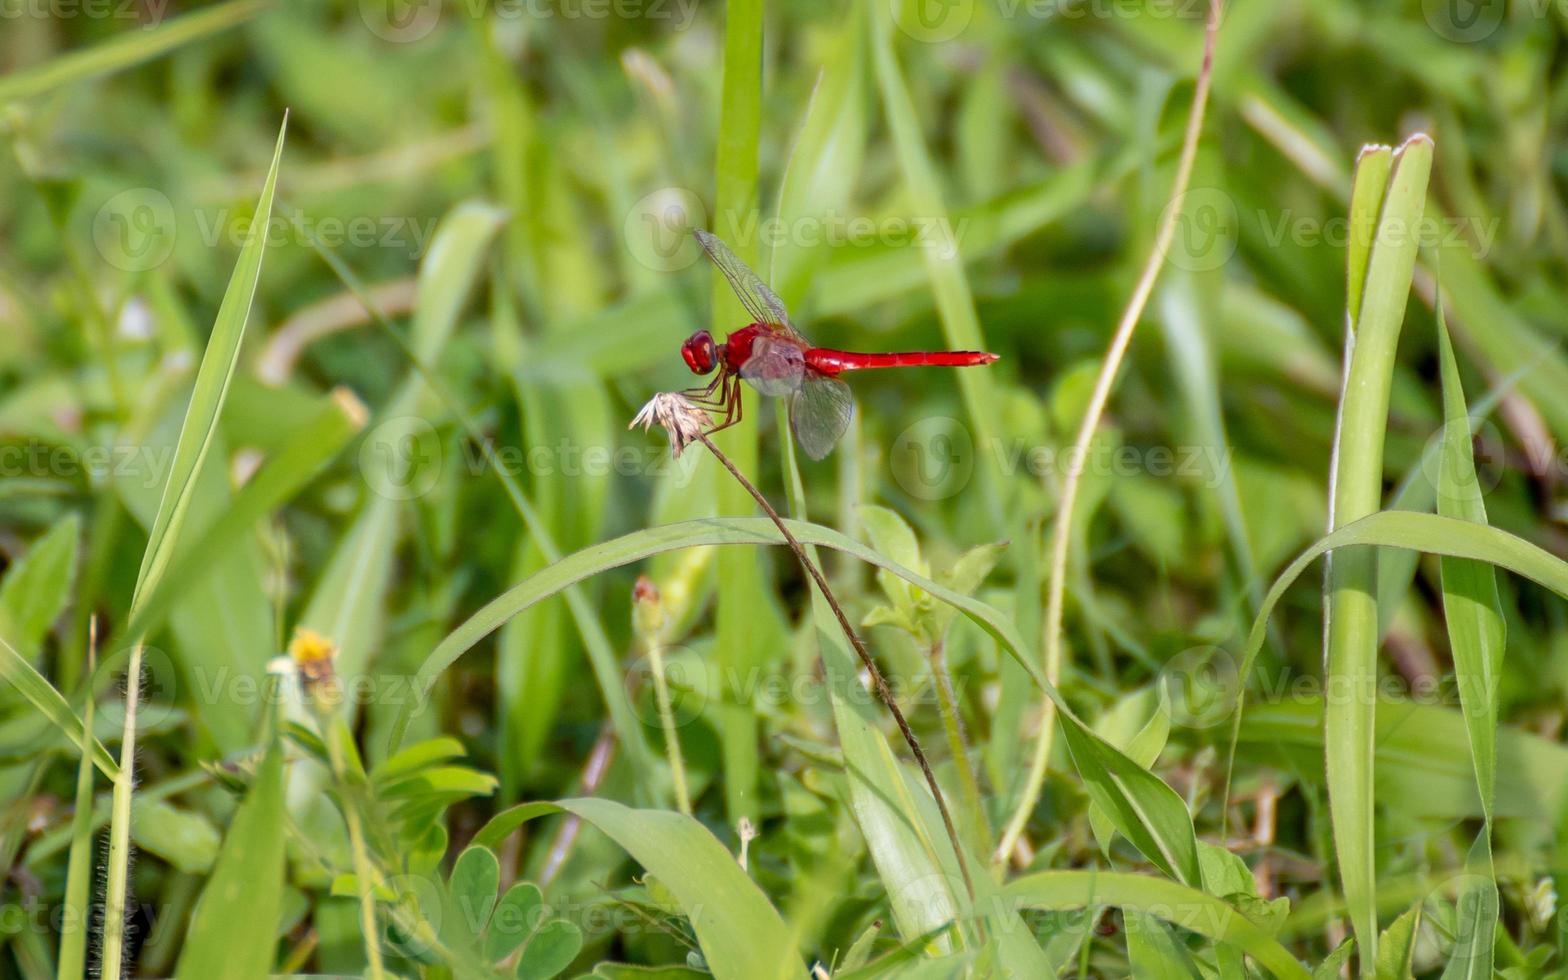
(776, 365)
(819, 413)
(760, 302)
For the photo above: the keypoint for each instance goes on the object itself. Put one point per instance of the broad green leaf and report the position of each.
(37, 587)
(738, 930)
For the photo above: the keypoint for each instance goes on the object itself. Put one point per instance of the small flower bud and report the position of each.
(647, 609)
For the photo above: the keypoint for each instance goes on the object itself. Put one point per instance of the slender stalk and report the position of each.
(120, 829)
(364, 871)
(1062, 534)
(672, 741)
(78, 888)
(884, 693)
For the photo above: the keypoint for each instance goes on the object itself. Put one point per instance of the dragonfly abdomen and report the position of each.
(828, 361)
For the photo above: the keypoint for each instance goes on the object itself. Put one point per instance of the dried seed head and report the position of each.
(680, 418)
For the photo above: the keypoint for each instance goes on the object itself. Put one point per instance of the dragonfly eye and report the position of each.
(699, 352)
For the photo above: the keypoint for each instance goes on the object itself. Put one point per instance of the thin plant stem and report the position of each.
(877, 680)
(120, 829)
(953, 726)
(364, 871)
(1062, 534)
(672, 741)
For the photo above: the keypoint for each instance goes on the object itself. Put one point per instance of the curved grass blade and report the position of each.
(741, 934)
(1144, 809)
(1177, 904)
(1430, 533)
(20, 672)
(127, 49)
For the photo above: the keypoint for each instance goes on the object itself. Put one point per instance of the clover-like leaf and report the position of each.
(471, 893)
(514, 920)
(550, 950)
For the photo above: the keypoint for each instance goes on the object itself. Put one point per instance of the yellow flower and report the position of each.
(313, 655)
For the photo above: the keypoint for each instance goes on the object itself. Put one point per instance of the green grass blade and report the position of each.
(944, 265)
(1397, 946)
(1367, 192)
(825, 162)
(22, 675)
(1477, 637)
(196, 437)
(740, 933)
(126, 50)
(233, 931)
(1476, 631)
(200, 427)
(740, 610)
(79, 863)
(1178, 904)
(1351, 630)
(1475, 916)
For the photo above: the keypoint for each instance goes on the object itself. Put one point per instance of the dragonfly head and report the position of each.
(700, 353)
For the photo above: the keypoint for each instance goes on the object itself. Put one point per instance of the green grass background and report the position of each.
(475, 271)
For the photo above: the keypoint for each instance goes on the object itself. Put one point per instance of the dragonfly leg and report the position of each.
(706, 396)
(732, 409)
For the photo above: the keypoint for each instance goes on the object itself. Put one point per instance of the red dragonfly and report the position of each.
(772, 356)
